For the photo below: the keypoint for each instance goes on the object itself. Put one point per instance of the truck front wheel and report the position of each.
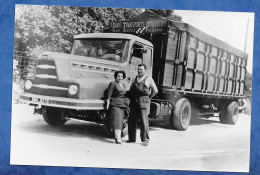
(230, 114)
(53, 116)
(182, 114)
(110, 132)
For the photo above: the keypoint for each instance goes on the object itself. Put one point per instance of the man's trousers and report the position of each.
(135, 114)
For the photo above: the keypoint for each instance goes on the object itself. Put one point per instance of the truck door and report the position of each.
(141, 54)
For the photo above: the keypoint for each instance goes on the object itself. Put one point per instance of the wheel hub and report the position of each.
(185, 115)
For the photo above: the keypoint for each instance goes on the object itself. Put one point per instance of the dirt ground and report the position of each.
(206, 145)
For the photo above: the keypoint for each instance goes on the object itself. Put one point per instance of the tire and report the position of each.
(107, 129)
(182, 114)
(53, 116)
(230, 114)
(222, 117)
(110, 132)
(124, 131)
(194, 110)
(167, 120)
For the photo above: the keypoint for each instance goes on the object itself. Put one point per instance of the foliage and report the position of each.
(248, 84)
(34, 26)
(51, 28)
(39, 28)
(167, 14)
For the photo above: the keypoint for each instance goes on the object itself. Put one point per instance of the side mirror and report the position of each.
(144, 50)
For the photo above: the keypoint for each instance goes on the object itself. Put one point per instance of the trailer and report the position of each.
(195, 72)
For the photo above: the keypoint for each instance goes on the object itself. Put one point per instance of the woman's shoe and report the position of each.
(118, 141)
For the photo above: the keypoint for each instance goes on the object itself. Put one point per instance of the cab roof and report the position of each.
(113, 36)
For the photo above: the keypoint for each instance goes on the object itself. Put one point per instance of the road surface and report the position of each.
(206, 145)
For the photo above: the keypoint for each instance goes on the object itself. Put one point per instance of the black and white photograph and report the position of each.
(132, 88)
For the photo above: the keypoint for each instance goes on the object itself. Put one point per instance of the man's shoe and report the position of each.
(145, 143)
(130, 141)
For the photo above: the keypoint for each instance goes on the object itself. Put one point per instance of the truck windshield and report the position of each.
(101, 48)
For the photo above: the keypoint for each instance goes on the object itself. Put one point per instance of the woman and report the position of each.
(116, 104)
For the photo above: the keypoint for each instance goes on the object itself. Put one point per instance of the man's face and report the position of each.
(141, 70)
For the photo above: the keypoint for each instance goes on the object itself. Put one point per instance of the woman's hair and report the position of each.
(120, 71)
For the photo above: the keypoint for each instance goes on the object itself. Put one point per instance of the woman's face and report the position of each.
(119, 77)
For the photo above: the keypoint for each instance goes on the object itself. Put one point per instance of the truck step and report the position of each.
(209, 114)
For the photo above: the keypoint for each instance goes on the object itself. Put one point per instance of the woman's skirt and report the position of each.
(116, 116)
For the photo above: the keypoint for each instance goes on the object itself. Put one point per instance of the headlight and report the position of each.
(28, 84)
(73, 89)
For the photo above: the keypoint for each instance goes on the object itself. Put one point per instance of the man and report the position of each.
(142, 90)
(245, 105)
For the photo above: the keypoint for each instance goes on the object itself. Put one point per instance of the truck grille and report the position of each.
(46, 80)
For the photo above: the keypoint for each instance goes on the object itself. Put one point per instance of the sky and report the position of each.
(230, 27)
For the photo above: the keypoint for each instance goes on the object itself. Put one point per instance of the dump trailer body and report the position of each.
(196, 74)
(188, 60)
(201, 64)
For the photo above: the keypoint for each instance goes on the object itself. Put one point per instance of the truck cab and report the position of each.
(122, 51)
(70, 85)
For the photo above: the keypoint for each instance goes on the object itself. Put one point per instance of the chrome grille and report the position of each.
(46, 80)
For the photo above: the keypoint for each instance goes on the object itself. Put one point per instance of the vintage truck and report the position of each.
(195, 73)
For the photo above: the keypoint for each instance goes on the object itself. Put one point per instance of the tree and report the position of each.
(51, 28)
(35, 28)
(39, 28)
(248, 84)
(169, 14)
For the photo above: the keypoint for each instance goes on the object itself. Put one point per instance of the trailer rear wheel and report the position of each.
(168, 122)
(230, 114)
(182, 114)
(53, 116)
(222, 117)
(168, 118)
(195, 110)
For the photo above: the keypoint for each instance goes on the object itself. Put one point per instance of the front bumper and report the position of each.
(62, 102)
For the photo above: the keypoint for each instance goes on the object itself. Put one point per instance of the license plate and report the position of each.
(40, 100)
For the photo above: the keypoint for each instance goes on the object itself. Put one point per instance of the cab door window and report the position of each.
(147, 57)
(137, 57)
